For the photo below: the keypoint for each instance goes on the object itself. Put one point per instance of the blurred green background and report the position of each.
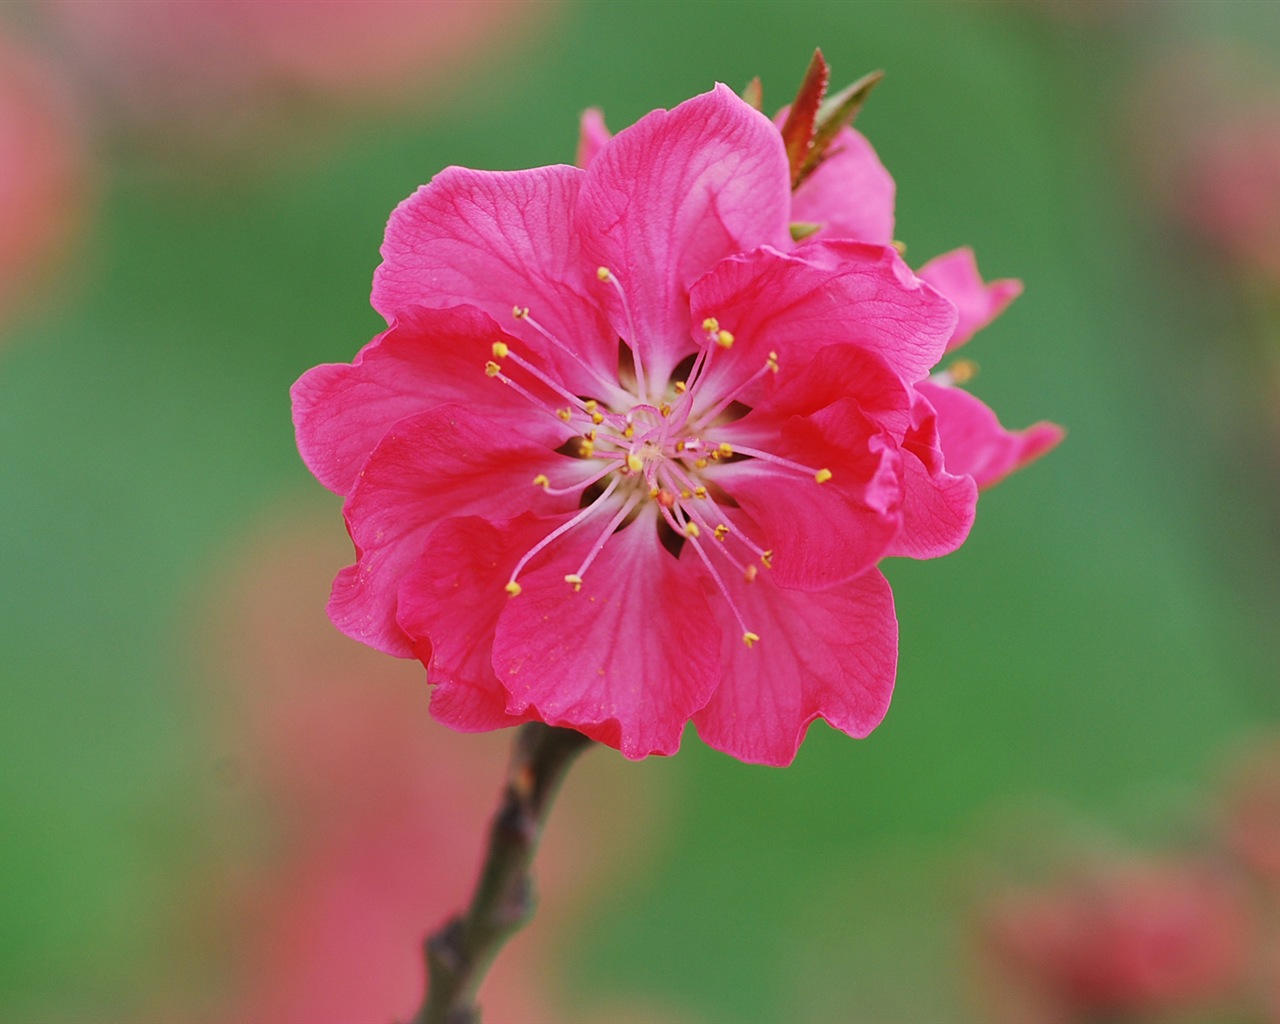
(1103, 641)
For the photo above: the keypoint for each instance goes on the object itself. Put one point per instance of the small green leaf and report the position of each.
(836, 113)
(802, 229)
(798, 130)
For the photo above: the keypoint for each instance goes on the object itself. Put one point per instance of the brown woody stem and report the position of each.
(460, 953)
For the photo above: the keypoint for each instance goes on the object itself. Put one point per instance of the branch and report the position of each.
(460, 953)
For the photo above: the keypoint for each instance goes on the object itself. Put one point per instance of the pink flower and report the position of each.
(1137, 938)
(850, 195)
(43, 174)
(658, 492)
(349, 825)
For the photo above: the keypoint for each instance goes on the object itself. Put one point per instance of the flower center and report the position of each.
(650, 453)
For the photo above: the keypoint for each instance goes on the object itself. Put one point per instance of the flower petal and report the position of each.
(938, 507)
(974, 442)
(449, 604)
(850, 194)
(667, 198)
(821, 294)
(628, 659)
(444, 463)
(496, 240)
(821, 533)
(830, 654)
(955, 274)
(592, 135)
(424, 359)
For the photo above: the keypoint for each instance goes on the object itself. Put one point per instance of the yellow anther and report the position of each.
(724, 449)
(700, 463)
(962, 371)
(541, 480)
(691, 528)
(629, 431)
(603, 273)
(597, 418)
(634, 462)
(513, 589)
(575, 579)
(590, 435)
(519, 312)
(664, 409)
(724, 339)
(686, 494)
(679, 446)
(586, 448)
(666, 499)
(900, 246)
(750, 638)
(500, 350)
(767, 558)
(822, 476)
(565, 414)
(699, 492)
(750, 573)
(681, 387)
(711, 325)
(722, 531)
(591, 405)
(772, 362)
(654, 492)
(492, 369)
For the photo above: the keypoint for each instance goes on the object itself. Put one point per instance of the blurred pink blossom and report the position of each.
(355, 824)
(245, 71)
(1206, 127)
(1140, 937)
(42, 174)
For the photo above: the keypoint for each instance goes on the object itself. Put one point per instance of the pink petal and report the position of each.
(821, 294)
(850, 194)
(592, 135)
(449, 604)
(444, 463)
(830, 654)
(628, 659)
(668, 197)
(834, 372)
(938, 507)
(821, 534)
(955, 274)
(426, 358)
(496, 240)
(974, 442)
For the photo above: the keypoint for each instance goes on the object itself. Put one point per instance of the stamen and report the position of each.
(724, 590)
(607, 276)
(821, 475)
(522, 313)
(559, 389)
(492, 369)
(558, 531)
(770, 366)
(622, 513)
(960, 371)
(541, 481)
(513, 588)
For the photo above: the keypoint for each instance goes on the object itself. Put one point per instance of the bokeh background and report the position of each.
(214, 808)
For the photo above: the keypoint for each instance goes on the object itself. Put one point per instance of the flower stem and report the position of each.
(460, 953)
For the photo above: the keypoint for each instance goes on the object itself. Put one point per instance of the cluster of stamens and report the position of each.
(645, 449)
